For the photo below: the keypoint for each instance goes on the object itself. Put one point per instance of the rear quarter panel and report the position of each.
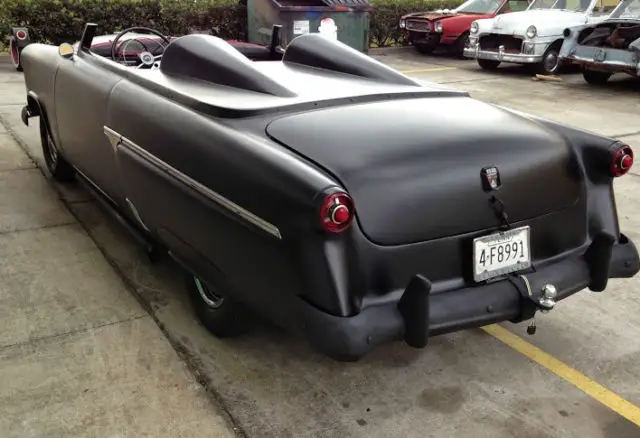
(262, 269)
(40, 63)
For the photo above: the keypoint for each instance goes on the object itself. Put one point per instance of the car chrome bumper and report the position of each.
(612, 66)
(418, 314)
(516, 58)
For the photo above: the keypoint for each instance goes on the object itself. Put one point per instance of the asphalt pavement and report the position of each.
(99, 341)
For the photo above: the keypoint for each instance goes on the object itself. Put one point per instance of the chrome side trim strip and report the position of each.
(134, 210)
(112, 136)
(198, 187)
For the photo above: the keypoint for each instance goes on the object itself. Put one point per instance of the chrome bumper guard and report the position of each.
(501, 55)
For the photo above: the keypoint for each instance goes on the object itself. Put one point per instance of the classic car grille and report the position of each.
(493, 40)
(424, 37)
(419, 25)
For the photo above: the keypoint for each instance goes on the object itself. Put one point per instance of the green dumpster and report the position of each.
(297, 17)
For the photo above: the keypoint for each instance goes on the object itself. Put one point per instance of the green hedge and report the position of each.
(55, 21)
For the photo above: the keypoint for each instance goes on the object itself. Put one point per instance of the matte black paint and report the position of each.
(390, 168)
(171, 149)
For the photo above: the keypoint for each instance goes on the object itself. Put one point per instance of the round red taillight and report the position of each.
(621, 160)
(336, 213)
(21, 34)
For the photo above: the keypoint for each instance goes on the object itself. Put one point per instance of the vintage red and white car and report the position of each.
(450, 28)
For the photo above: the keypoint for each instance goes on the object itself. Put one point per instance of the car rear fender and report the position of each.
(593, 150)
(33, 109)
(40, 63)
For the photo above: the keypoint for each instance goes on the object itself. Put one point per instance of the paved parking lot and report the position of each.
(475, 383)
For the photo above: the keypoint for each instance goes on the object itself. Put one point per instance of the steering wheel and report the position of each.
(144, 57)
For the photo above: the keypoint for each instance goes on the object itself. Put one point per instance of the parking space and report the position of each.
(468, 384)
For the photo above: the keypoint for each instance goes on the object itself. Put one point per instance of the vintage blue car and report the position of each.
(611, 46)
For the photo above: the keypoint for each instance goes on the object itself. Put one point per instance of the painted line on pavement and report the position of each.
(592, 388)
(425, 70)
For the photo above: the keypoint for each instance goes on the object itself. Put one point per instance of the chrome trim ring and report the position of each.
(211, 299)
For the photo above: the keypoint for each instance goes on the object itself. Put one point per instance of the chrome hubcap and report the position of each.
(551, 62)
(210, 298)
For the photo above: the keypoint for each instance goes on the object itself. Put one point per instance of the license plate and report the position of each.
(501, 253)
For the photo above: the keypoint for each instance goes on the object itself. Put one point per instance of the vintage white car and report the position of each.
(533, 36)
(609, 47)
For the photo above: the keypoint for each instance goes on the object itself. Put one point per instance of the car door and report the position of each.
(82, 89)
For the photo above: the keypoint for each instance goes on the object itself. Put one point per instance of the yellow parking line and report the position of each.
(425, 70)
(608, 398)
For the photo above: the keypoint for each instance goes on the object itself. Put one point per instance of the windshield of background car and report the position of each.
(479, 6)
(627, 9)
(515, 6)
(567, 5)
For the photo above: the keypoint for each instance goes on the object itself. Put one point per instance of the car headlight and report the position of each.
(403, 23)
(438, 26)
(474, 28)
(531, 32)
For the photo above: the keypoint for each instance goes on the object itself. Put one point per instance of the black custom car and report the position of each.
(329, 193)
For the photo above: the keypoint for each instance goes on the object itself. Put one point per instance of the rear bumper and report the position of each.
(418, 315)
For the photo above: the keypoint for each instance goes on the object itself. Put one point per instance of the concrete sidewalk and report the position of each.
(78, 354)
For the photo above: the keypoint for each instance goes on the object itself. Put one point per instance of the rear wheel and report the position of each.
(15, 55)
(425, 49)
(220, 314)
(59, 168)
(488, 64)
(596, 77)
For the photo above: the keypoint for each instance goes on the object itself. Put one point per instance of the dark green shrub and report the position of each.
(56, 21)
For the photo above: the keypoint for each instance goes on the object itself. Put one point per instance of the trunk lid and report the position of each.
(413, 166)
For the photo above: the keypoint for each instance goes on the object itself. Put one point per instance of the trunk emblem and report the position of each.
(490, 178)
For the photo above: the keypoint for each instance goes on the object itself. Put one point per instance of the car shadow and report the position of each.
(517, 70)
